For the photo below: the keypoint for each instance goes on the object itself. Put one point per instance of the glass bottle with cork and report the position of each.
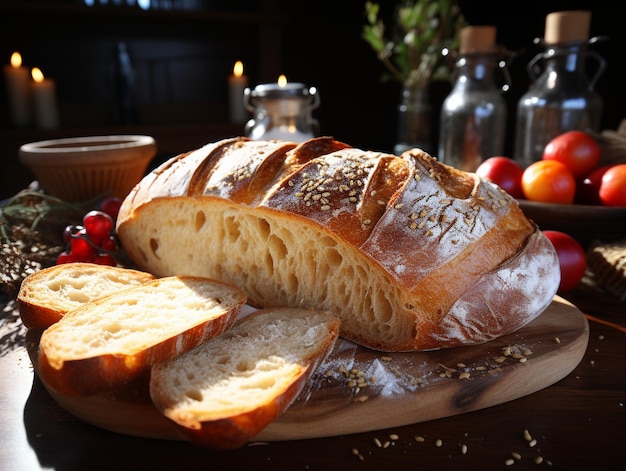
(561, 96)
(473, 115)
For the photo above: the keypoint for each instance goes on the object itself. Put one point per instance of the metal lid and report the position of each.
(275, 90)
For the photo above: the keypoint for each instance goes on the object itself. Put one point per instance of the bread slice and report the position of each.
(46, 295)
(112, 340)
(224, 392)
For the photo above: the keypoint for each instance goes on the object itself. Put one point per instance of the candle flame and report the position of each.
(16, 60)
(238, 69)
(282, 81)
(37, 74)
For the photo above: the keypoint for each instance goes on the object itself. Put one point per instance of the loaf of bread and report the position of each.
(109, 341)
(410, 253)
(46, 295)
(225, 391)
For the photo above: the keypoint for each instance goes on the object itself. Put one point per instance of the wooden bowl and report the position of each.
(585, 223)
(82, 168)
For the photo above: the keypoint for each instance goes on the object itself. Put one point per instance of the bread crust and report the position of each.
(48, 294)
(79, 368)
(258, 339)
(430, 257)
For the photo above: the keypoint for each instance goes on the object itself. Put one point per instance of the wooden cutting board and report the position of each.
(396, 389)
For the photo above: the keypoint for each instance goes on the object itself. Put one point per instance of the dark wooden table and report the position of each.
(578, 422)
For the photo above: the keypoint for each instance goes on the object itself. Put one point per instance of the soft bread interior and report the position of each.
(248, 367)
(132, 320)
(262, 253)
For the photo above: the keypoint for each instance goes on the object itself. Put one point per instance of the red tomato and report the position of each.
(613, 186)
(577, 150)
(548, 181)
(588, 189)
(572, 259)
(504, 172)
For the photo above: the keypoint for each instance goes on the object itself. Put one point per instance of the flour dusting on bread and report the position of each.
(410, 253)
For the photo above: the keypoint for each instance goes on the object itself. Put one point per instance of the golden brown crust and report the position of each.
(113, 339)
(261, 364)
(48, 294)
(419, 237)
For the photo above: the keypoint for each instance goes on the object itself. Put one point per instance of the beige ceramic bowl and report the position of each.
(82, 168)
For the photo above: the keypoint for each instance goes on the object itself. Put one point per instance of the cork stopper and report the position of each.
(567, 26)
(475, 39)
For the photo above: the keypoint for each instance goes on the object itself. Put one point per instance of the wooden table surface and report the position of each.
(577, 423)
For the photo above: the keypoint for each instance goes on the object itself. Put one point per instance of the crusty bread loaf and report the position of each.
(224, 392)
(46, 295)
(412, 254)
(111, 340)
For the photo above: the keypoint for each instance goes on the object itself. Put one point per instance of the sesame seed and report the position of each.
(394, 436)
(419, 438)
(516, 455)
(377, 442)
(464, 448)
(438, 443)
(509, 462)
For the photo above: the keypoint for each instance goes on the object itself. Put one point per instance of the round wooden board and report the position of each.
(401, 388)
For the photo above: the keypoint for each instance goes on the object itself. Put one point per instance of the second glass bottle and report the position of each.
(473, 116)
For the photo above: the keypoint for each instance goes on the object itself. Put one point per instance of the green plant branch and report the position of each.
(413, 52)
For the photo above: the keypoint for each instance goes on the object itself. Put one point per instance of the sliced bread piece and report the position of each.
(112, 340)
(46, 295)
(224, 392)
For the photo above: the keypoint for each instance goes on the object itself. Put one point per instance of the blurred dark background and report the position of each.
(183, 51)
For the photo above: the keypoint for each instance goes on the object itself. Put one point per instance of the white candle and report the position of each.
(44, 101)
(237, 83)
(18, 89)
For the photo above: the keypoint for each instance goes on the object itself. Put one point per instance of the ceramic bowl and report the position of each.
(585, 223)
(82, 168)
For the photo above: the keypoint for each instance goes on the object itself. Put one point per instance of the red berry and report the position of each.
(71, 231)
(98, 225)
(80, 246)
(67, 257)
(111, 206)
(104, 259)
(109, 244)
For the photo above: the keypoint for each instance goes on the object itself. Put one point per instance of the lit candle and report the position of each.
(44, 101)
(237, 83)
(18, 89)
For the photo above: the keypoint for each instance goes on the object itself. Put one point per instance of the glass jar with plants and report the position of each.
(414, 53)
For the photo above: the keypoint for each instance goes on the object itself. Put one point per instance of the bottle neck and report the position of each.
(476, 68)
(566, 58)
